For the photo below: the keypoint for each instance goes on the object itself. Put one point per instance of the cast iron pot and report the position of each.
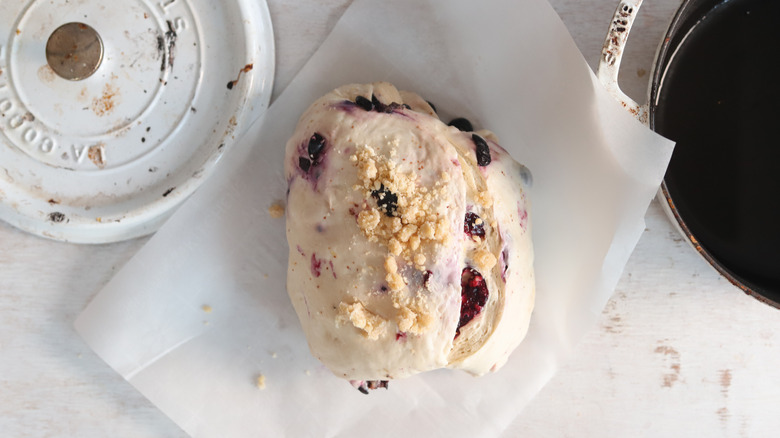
(745, 77)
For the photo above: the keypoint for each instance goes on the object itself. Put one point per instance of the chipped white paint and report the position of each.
(612, 54)
(678, 351)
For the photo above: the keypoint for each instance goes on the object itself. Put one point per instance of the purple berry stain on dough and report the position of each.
(332, 269)
(483, 150)
(354, 211)
(471, 227)
(316, 266)
(522, 215)
(473, 296)
(300, 250)
(503, 261)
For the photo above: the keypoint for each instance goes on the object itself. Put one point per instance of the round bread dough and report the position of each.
(410, 240)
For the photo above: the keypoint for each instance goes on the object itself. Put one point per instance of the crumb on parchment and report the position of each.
(260, 381)
(276, 210)
(206, 308)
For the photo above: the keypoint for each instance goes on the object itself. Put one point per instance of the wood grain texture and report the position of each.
(678, 351)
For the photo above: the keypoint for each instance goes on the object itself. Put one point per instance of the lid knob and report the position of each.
(74, 51)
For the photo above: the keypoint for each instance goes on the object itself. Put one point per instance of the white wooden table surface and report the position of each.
(678, 350)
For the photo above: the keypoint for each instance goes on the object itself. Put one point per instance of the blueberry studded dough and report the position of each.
(410, 239)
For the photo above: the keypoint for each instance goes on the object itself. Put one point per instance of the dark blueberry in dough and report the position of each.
(406, 106)
(433, 107)
(304, 163)
(364, 103)
(527, 177)
(375, 105)
(462, 124)
(379, 106)
(386, 200)
(483, 151)
(471, 227)
(427, 277)
(372, 384)
(316, 144)
(473, 296)
(392, 107)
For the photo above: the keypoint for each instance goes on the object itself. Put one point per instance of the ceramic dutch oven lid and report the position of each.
(112, 114)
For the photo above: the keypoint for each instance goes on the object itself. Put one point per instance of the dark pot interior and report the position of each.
(715, 92)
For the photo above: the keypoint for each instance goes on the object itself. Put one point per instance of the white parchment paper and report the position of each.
(508, 66)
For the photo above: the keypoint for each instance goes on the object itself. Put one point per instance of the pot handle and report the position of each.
(612, 53)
